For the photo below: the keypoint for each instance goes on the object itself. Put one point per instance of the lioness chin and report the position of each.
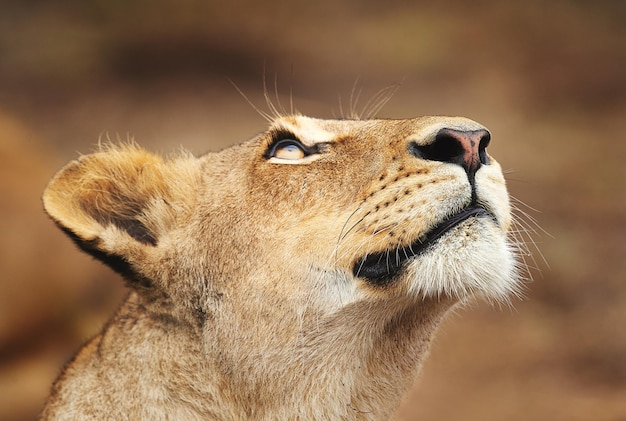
(299, 275)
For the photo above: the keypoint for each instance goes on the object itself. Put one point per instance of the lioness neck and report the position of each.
(344, 367)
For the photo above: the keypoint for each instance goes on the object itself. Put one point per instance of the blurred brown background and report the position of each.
(547, 77)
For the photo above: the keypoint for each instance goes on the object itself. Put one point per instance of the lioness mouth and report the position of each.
(380, 268)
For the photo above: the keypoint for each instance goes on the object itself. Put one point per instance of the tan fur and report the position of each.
(244, 303)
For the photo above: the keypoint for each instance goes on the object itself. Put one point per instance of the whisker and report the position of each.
(378, 101)
(267, 117)
(291, 107)
(277, 96)
(527, 215)
(354, 100)
(527, 231)
(268, 100)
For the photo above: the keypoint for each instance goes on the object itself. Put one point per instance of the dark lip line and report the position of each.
(380, 268)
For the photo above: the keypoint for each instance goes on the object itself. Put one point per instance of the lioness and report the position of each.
(299, 275)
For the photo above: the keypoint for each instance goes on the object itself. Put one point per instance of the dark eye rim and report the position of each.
(284, 138)
(283, 143)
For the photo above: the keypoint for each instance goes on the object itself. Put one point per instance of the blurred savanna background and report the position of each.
(547, 77)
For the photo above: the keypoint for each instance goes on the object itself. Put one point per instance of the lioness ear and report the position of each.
(118, 203)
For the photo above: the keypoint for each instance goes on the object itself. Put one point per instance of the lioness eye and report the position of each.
(288, 149)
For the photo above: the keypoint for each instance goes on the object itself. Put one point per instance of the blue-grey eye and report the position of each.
(288, 149)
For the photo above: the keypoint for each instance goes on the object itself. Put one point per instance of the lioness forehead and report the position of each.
(314, 130)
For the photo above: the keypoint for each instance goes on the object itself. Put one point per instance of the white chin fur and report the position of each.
(474, 259)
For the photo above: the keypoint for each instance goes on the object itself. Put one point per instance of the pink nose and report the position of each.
(465, 148)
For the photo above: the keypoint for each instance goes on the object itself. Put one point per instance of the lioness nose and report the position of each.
(465, 148)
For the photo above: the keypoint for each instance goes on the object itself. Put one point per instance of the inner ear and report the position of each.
(118, 203)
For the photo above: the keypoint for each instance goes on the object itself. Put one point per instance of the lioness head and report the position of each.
(310, 249)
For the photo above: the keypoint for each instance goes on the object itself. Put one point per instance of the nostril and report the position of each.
(482, 148)
(445, 148)
(465, 148)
